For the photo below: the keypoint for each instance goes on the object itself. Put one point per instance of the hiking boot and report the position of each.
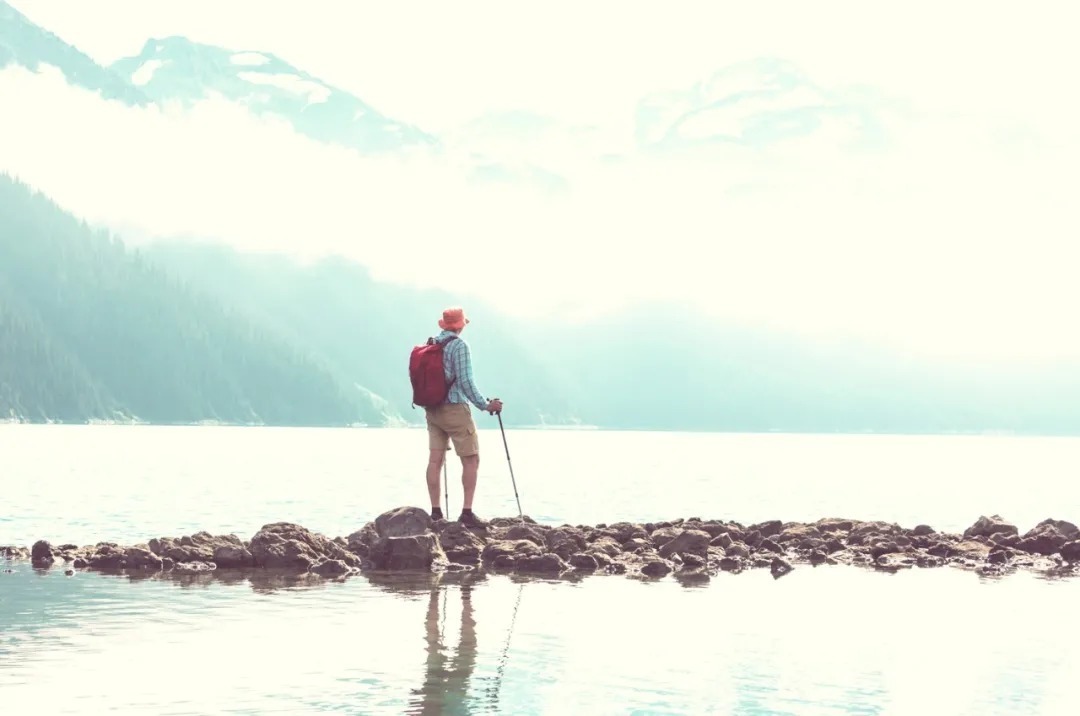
(469, 519)
(436, 514)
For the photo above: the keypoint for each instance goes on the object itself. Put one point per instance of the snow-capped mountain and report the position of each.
(177, 69)
(754, 104)
(29, 45)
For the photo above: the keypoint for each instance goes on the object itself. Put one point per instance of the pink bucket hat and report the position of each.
(453, 319)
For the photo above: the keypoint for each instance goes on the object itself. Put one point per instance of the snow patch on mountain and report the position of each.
(145, 73)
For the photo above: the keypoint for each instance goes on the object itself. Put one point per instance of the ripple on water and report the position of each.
(818, 641)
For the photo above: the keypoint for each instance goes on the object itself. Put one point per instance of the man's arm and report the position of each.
(464, 371)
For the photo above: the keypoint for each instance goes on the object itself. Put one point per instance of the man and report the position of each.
(452, 420)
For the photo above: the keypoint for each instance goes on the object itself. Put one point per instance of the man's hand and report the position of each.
(494, 406)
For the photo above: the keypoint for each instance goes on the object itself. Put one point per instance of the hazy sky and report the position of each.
(957, 237)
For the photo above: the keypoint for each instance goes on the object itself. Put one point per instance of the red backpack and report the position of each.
(426, 373)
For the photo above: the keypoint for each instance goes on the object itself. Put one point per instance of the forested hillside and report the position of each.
(182, 332)
(92, 329)
(364, 329)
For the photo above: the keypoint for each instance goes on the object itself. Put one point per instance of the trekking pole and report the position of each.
(507, 448)
(446, 487)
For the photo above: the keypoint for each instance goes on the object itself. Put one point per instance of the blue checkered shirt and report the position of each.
(457, 363)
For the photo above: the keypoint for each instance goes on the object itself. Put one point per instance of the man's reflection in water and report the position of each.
(446, 682)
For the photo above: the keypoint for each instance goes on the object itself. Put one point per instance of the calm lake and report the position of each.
(828, 640)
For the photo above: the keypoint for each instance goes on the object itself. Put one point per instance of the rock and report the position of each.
(738, 549)
(415, 552)
(140, 557)
(283, 545)
(770, 545)
(41, 554)
(730, 564)
(233, 555)
(724, 540)
(656, 567)
(108, 556)
(714, 528)
(1066, 529)
(779, 567)
(863, 532)
(943, 550)
(565, 541)
(637, 544)
(529, 532)
(13, 553)
(460, 544)
(999, 555)
(542, 564)
(695, 542)
(663, 535)
(1070, 552)
(403, 522)
(605, 545)
(1047, 537)
(693, 561)
(922, 530)
(892, 561)
(623, 531)
(769, 528)
(331, 568)
(361, 541)
(584, 562)
(818, 557)
(798, 533)
(80, 563)
(833, 524)
(499, 551)
(883, 547)
(988, 527)
(972, 550)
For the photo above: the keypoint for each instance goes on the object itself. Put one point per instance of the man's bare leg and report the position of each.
(469, 467)
(434, 466)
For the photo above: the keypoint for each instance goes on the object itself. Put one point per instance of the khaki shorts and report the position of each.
(452, 421)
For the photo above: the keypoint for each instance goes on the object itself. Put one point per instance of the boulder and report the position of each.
(506, 552)
(779, 567)
(584, 562)
(460, 544)
(695, 542)
(988, 527)
(331, 568)
(542, 564)
(414, 552)
(529, 532)
(656, 567)
(284, 545)
(565, 541)
(140, 557)
(1070, 552)
(768, 528)
(361, 541)
(403, 522)
(41, 554)
(13, 552)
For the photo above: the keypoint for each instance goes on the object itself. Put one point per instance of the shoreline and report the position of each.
(532, 427)
(405, 540)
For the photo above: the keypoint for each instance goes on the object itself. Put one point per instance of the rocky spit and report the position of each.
(406, 539)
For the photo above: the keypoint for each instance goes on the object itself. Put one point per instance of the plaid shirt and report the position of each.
(457, 363)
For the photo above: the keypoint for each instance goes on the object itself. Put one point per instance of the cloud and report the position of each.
(945, 241)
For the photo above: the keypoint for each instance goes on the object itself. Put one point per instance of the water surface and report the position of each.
(827, 640)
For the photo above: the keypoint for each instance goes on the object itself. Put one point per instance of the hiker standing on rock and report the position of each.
(442, 378)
